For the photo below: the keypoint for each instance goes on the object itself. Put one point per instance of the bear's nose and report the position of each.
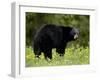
(75, 36)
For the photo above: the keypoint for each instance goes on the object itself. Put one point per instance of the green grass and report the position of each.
(73, 56)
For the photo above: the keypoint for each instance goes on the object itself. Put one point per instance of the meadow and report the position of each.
(73, 56)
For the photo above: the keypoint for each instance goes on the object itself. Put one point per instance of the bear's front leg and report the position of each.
(61, 50)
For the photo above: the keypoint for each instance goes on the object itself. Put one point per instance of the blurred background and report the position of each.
(35, 20)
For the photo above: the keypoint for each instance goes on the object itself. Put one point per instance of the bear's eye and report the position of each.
(73, 33)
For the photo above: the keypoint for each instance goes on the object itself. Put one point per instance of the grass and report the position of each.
(73, 56)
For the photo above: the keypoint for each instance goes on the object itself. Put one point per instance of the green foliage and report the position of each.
(73, 56)
(36, 20)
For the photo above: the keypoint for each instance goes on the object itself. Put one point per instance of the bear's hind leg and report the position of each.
(37, 53)
(48, 54)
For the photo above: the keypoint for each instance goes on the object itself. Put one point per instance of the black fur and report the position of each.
(51, 36)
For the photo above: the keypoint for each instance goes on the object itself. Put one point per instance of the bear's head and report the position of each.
(74, 34)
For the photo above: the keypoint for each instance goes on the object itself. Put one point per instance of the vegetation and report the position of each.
(77, 52)
(73, 56)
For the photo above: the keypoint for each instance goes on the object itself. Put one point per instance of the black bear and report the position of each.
(52, 36)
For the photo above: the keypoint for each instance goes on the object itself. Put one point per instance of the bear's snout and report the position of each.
(76, 36)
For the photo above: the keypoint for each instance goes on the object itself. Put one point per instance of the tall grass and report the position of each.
(73, 56)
